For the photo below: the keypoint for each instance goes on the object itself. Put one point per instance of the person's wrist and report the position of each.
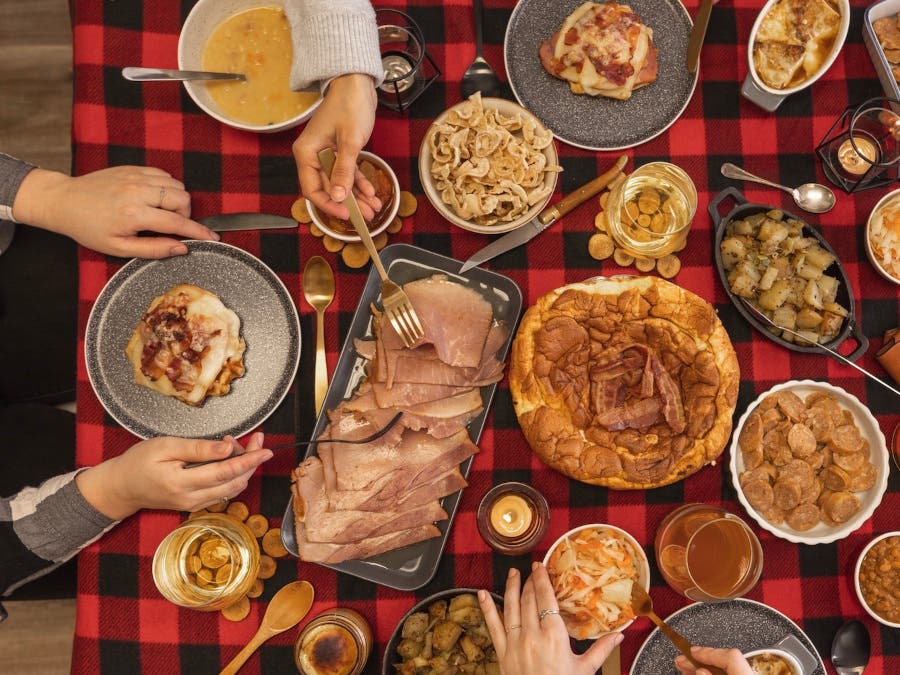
(103, 487)
(351, 83)
(32, 205)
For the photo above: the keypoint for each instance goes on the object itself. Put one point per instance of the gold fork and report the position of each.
(397, 306)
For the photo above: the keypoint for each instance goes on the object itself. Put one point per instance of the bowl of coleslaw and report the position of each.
(883, 237)
(592, 569)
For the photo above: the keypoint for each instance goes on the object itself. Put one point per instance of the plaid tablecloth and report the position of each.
(125, 626)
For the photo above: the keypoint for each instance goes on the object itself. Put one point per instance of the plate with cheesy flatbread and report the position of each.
(200, 345)
(600, 75)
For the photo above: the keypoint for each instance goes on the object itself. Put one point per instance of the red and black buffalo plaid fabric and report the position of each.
(125, 626)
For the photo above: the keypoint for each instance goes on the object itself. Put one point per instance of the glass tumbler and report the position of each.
(707, 554)
(649, 214)
(206, 563)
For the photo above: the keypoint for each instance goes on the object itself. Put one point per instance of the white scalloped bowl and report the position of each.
(787, 657)
(643, 567)
(856, 568)
(870, 499)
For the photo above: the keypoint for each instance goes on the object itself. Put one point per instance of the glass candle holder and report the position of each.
(206, 563)
(408, 68)
(862, 148)
(512, 518)
(649, 214)
(337, 642)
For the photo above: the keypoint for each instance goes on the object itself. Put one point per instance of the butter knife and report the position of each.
(698, 34)
(227, 222)
(545, 218)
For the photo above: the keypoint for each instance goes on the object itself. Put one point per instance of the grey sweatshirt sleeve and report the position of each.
(331, 38)
(42, 527)
(12, 173)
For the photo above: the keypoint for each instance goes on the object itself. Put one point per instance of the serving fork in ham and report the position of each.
(356, 501)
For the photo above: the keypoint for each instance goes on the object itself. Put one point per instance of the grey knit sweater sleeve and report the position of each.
(42, 527)
(12, 173)
(331, 38)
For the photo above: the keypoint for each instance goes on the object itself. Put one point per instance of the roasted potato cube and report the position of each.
(809, 271)
(745, 227)
(831, 324)
(733, 251)
(491, 668)
(472, 651)
(772, 232)
(463, 600)
(808, 318)
(409, 649)
(480, 635)
(819, 257)
(440, 666)
(776, 296)
(415, 626)
(467, 616)
(775, 214)
(835, 308)
(783, 265)
(446, 633)
(828, 286)
(811, 294)
(810, 336)
(785, 316)
(756, 220)
(438, 610)
(768, 278)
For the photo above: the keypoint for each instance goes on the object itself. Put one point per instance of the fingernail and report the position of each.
(258, 438)
(215, 236)
(482, 595)
(513, 572)
(535, 565)
(338, 193)
(179, 249)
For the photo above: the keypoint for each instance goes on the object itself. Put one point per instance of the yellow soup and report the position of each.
(256, 42)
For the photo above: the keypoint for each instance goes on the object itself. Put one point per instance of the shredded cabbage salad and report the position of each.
(592, 572)
(884, 237)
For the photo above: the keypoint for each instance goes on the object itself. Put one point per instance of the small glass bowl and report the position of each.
(337, 641)
(381, 222)
(533, 534)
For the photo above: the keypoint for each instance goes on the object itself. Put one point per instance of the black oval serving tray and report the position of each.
(742, 209)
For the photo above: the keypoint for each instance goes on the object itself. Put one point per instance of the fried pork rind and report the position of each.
(489, 168)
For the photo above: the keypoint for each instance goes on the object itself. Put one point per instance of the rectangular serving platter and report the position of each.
(413, 566)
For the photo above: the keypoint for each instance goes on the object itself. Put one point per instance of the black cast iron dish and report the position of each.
(744, 209)
(390, 652)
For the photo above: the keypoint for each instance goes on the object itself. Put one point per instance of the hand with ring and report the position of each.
(531, 637)
(105, 210)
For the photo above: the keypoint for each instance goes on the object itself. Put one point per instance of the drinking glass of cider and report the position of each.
(707, 554)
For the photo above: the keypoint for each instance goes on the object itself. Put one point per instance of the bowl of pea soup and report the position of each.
(252, 37)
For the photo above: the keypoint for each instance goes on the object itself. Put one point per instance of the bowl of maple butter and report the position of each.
(336, 642)
(251, 37)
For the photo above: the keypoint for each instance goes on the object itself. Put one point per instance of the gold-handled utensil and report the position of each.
(286, 609)
(642, 604)
(318, 289)
(840, 357)
(397, 306)
(613, 663)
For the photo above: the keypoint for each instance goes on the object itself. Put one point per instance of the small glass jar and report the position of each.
(206, 563)
(649, 214)
(512, 518)
(337, 642)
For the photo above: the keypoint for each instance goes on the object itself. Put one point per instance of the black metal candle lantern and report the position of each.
(408, 67)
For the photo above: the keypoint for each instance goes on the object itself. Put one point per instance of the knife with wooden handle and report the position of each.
(613, 663)
(698, 34)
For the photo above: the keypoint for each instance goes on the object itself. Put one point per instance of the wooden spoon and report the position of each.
(642, 604)
(287, 608)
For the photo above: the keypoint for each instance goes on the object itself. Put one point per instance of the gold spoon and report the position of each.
(642, 604)
(318, 289)
(286, 609)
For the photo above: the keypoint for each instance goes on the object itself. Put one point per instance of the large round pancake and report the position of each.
(583, 325)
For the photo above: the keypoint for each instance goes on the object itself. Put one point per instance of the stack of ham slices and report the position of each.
(355, 501)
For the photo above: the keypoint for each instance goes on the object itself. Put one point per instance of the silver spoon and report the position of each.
(812, 197)
(850, 648)
(479, 76)
(162, 74)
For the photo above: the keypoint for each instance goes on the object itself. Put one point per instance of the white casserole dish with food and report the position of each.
(880, 10)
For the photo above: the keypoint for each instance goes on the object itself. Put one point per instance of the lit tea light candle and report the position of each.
(397, 66)
(857, 160)
(511, 516)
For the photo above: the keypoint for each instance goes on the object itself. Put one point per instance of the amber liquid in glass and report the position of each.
(706, 553)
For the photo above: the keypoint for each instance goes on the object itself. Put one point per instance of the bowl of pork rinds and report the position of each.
(488, 165)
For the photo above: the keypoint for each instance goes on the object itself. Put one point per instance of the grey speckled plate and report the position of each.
(269, 326)
(740, 623)
(595, 122)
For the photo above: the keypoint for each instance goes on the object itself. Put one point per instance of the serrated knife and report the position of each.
(545, 218)
(228, 222)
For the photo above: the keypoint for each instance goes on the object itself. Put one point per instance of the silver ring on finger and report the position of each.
(162, 196)
(547, 612)
(224, 501)
(518, 626)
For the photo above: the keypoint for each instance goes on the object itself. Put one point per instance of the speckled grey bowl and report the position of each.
(269, 326)
(595, 122)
